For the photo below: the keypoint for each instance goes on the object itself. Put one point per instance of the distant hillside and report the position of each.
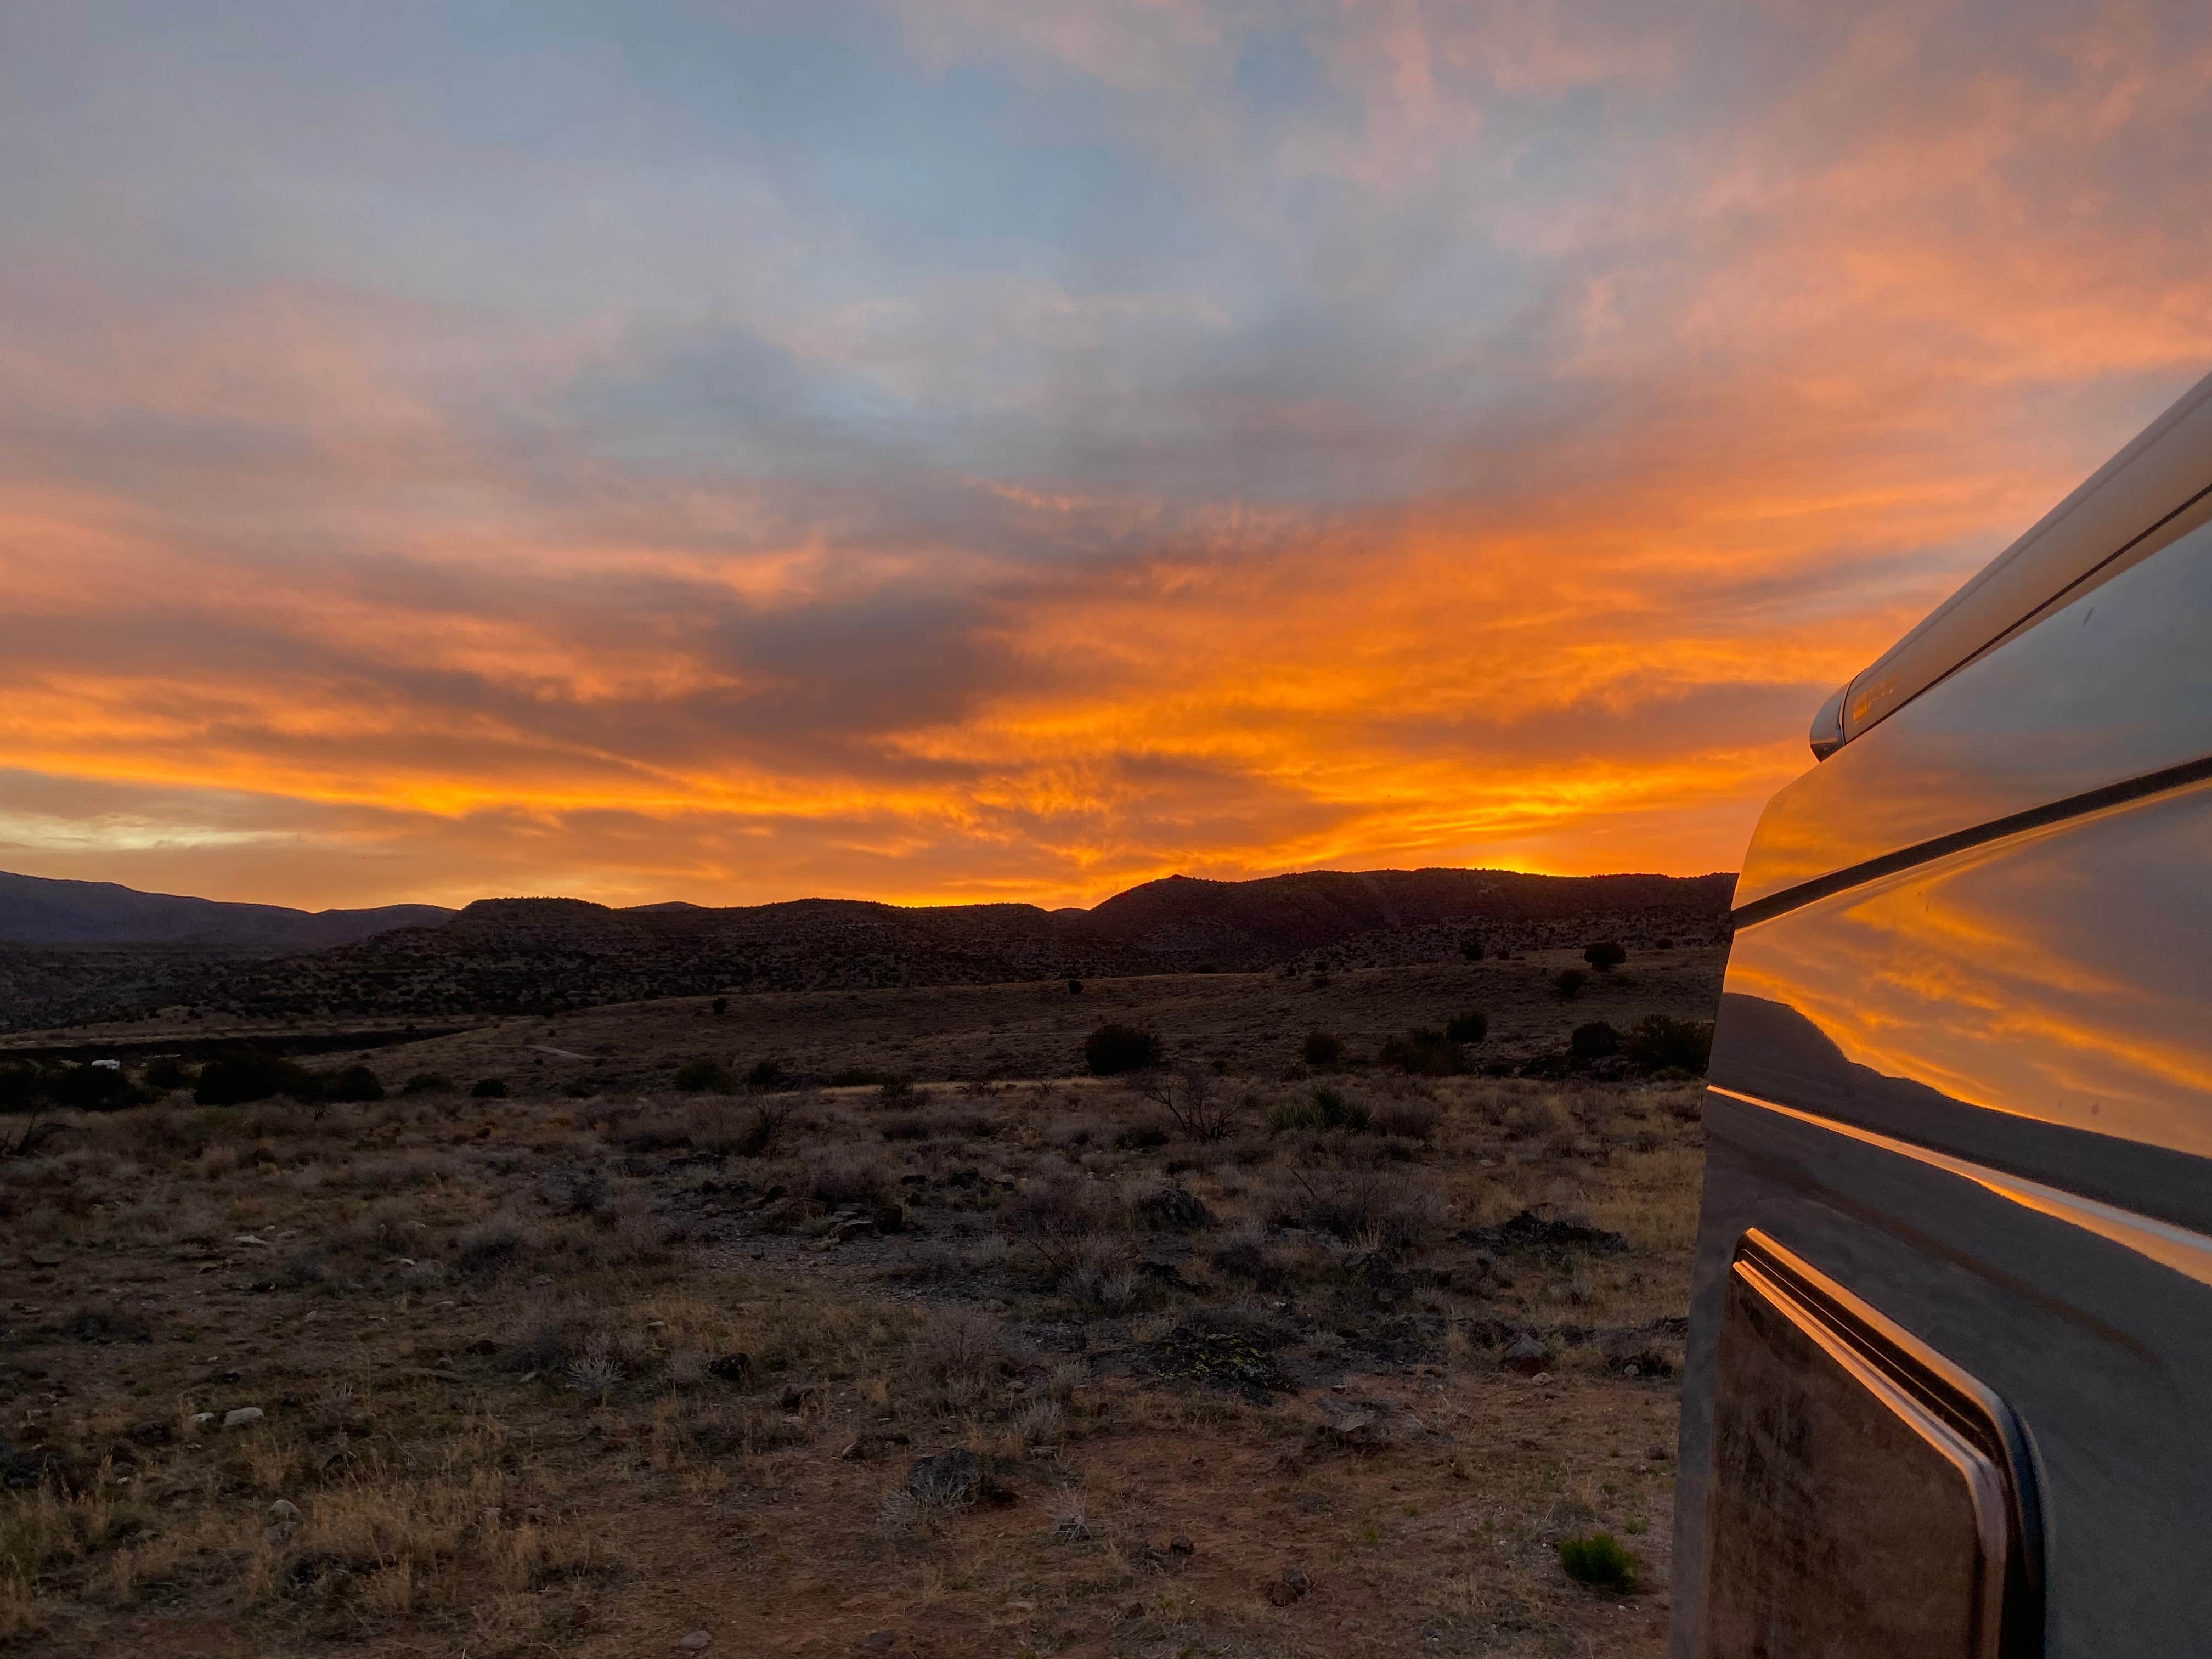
(36, 910)
(531, 955)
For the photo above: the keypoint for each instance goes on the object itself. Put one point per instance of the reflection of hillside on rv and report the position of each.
(1951, 1354)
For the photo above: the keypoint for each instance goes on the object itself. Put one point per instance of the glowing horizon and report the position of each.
(970, 451)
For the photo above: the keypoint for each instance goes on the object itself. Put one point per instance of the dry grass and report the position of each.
(576, 1376)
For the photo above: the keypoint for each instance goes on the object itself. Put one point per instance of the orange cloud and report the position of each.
(1384, 435)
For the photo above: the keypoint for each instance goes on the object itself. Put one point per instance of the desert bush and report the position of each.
(1115, 1049)
(1658, 1042)
(1605, 956)
(168, 1071)
(1103, 1272)
(1599, 1561)
(766, 1074)
(1567, 984)
(1053, 1214)
(1471, 948)
(1168, 1208)
(1594, 1040)
(1397, 1210)
(1473, 1026)
(90, 1089)
(964, 1358)
(749, 1133)
(581, 1191)
(705, 1075)
(1408, 1119)
(352, 1085)
(426, 1083)
(1424, 1053)
(1195, 1101)
(489, 1088)
(896, 1091)
(1246, 1254)
(844, 1176)
(1323, 1052)
(488, 1248)
(234, 1079)
(1291, 1116)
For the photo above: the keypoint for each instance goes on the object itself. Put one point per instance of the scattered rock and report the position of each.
(878, 1641)
(244, 1418)
(45, 1258)
(248, 1238)
(1535, 1232)
(1291, 1585)
(950, 1477)
(732, 1368)
(858, 1226)
(1526, 1355)
(1179, 1544)
(695, 1641)
(283, 1521)
(1134, 1610)
(801, 1397)
(890, 1217)
(1356, 1428)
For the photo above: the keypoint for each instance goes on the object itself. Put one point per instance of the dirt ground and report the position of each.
(1254, 1360)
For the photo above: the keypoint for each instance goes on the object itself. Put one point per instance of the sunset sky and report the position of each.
(1015, 449)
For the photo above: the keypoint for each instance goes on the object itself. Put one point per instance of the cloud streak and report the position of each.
(963, 451)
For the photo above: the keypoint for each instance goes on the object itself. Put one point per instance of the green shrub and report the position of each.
(705, 1075)
(1599, 1561)
(1567, 983)
(1338, 1113)
(489, 1088)
(1115, 1049)
(1605, 956)
(1323, 1052)
(234, 1079)
(426, 1083)
(169, 1071)
(354, 1083)
(1289, 1115)
(1658, 1042)
(90, 1088)
(1424, 1053)
(765, 1074)
(1472, 1026)
(1594, 1041)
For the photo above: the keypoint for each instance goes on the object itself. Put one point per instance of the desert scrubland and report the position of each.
(862, 1341)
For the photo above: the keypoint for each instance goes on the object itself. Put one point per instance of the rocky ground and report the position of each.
(1236, 1362)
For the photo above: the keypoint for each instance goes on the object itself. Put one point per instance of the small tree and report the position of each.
(1194, 1101)
(1605, 956)
(1568, 983)
(720, 1005)
(1074, 986)
(705, 1075)
(489, 1088)
(1471, 948)
(1424, 1053)
(1114, 1049)
(765, 1074)
(1658, 1042)
(1323, 1052)
(1472, 1026)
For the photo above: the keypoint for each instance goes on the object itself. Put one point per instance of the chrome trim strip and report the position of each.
(2177, 1249)
(1980, 835)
